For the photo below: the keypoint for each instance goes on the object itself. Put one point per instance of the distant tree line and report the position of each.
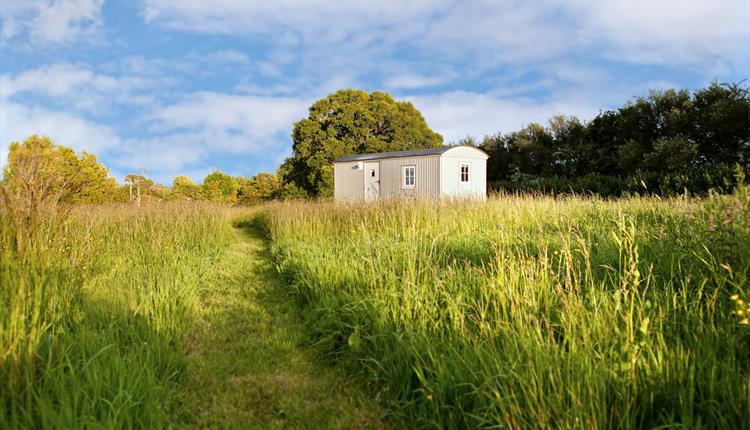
(39, 170)
(664, 143)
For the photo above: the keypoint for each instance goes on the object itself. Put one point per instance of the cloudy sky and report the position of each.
(187, 86)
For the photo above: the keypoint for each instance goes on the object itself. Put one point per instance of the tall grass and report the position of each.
(521, 312)
(95, 310)
(532, 312)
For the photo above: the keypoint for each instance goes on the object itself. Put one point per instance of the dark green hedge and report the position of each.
(693, 180)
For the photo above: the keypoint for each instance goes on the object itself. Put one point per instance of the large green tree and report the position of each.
(351, 122)
(38, 169)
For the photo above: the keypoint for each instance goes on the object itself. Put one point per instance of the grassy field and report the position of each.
(520, 312)
(96, 312)
(249, 367)
(168, 315)
(532, 312)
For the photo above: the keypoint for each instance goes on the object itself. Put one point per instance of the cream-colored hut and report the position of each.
(443, 172)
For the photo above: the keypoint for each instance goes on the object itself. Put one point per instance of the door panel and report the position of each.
(372, 181)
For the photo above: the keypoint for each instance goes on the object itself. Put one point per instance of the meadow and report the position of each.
(96, 309)
(164, 315)
(520, 312)
(531, 311)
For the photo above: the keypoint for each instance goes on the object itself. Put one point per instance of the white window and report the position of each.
(409, 175)
(464, 173)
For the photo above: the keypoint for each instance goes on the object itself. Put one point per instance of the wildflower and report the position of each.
(429, 396)
(739, 302)
(740, 312)
(734, 297)
(745, 321)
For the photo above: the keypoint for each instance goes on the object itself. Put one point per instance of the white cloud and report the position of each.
(457, 114)
(227, 56)
(359, 36)
(233, 122)
(162, 156)
(186, 136)
(668, 31)
(411, 80)
(57, 21)
(77, 87)
(17, 122)
(328, 21)
(482, 32)
(57, 80)
(61, 99)
(72, 87)
(12, 14)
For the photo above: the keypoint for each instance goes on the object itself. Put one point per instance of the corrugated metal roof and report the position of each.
(397, 154)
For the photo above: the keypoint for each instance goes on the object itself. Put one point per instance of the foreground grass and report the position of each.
(246, 368)
(532, 312)
(522, 312)
(154, 317)
(96, 309)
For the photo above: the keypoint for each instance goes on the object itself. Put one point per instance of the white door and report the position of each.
(372, 181)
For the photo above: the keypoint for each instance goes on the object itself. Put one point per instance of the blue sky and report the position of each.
(184, 87)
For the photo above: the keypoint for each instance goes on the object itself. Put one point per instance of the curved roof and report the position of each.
(399, 154)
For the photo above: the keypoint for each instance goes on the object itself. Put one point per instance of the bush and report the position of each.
(695, 180)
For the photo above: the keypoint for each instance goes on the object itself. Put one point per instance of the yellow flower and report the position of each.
(740, 312)
(734, 297)
(429, 397)
(745, 321)
(739, 302)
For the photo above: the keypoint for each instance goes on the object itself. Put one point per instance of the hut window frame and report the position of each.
(409, 176)
(464, 171)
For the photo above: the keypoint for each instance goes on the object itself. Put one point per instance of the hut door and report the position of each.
(372, 181)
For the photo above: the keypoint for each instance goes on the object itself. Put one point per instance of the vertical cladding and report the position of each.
(348, 181)
(452, 187)
(436, 175)
(481, 178)
(427, 181)
(450, 165)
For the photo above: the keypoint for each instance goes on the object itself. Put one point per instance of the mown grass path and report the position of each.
(248, 367)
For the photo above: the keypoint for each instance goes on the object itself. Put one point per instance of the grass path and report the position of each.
(248, 368)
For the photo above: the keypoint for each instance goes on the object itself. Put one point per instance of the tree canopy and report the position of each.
(220, 187)
(261, 187)
(671, 132)
(351, 122)
(183, 187)
(42, 170)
